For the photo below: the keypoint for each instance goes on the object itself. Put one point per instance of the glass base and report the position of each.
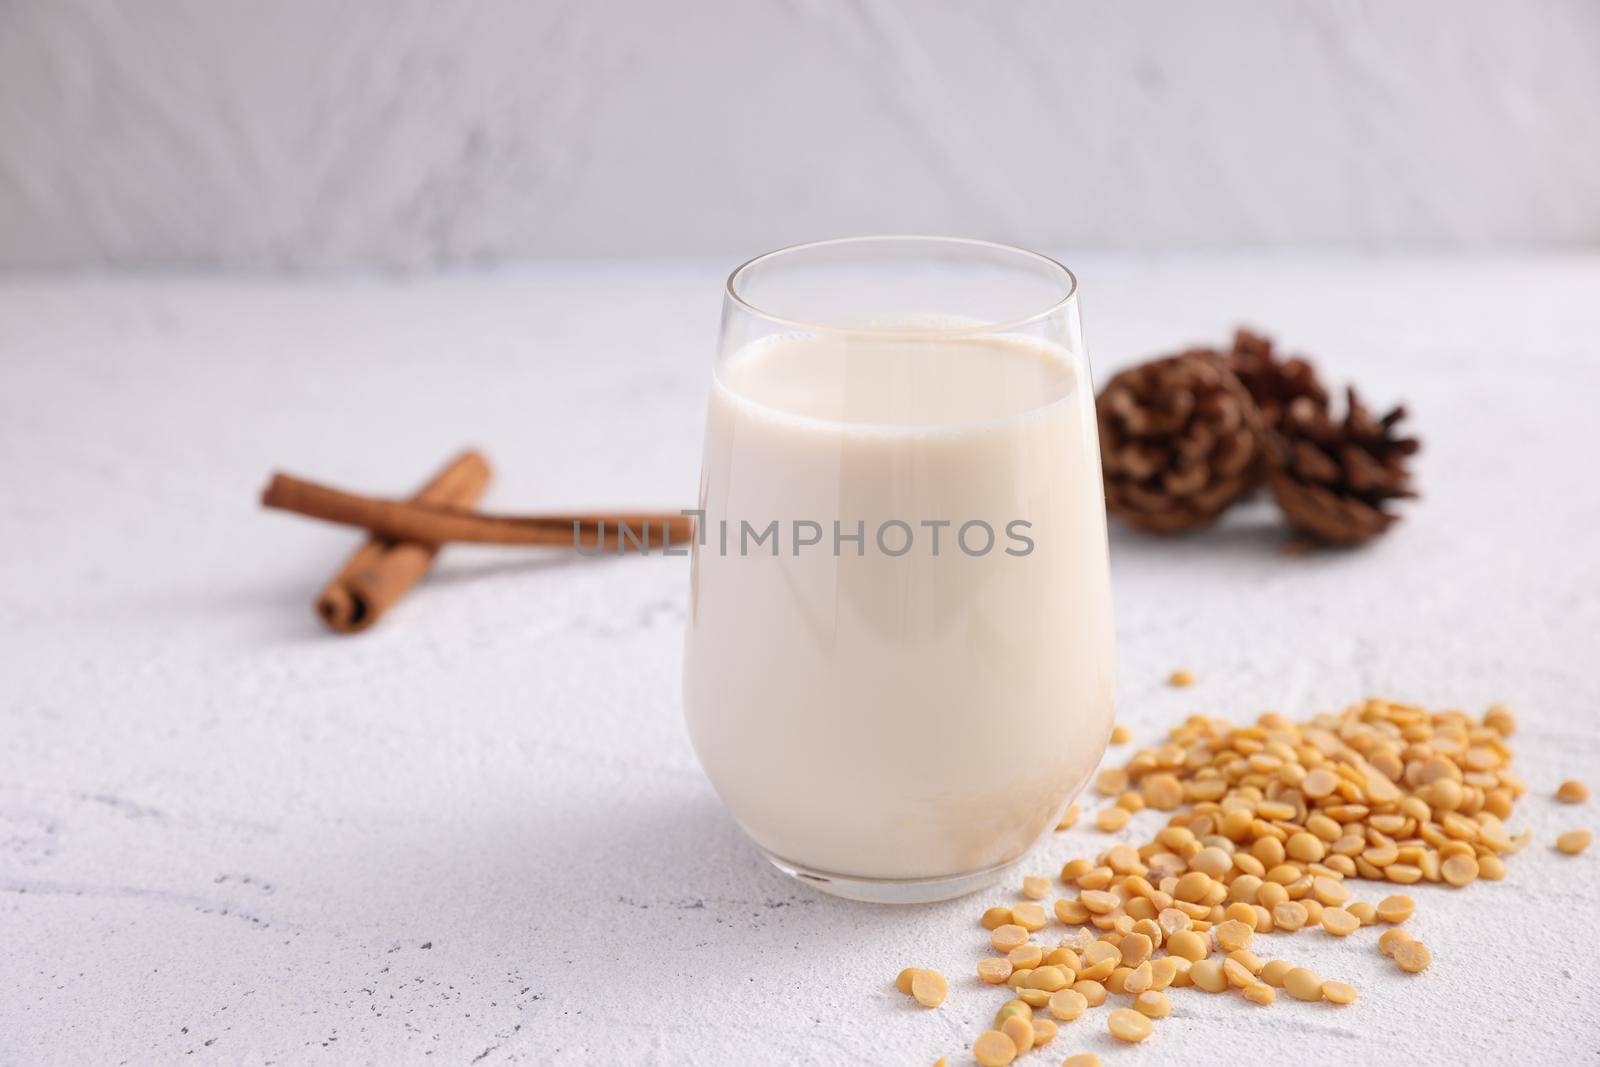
(892, 890)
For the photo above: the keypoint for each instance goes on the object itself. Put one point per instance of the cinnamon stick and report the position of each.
(437, 524)
(383, 569)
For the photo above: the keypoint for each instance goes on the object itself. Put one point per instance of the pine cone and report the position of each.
(1273, 383)
(1333, 477)
(1179, 441)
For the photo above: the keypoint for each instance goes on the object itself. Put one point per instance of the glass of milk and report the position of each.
(898, 666)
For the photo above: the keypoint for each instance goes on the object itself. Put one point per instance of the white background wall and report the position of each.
(409, 133)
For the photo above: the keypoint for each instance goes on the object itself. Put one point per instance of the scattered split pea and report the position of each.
(1260, 993)
(1412, 956)
(1574, 841)
(1068, 1004)
(1339, 923)
(994, 969)
(1267, 827)
(1110, 820)
(1007, 937)
(1302, 983)
(1128, 1025)
(994, 1049)
(929, 987)
(1396, 909)
(1339, 992)
(1152, 1004)
(1019, 1028)
(1391, 940)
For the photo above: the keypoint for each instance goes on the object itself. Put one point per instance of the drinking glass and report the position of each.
(898, 664)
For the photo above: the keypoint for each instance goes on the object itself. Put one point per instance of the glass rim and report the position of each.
(731, 286)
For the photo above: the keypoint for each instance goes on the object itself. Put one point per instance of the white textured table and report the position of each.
(478, 833)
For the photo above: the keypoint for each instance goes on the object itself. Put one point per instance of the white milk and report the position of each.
(900, 716)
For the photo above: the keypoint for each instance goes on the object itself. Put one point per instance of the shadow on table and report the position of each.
(283, 611)
(661, 869)
(1252, 532)
(514, 563)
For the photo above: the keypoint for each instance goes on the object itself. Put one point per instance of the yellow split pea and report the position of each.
(1189, 945)
(1274, 970)
(930, 988)
(1128, 1025)
(1500, 719)
(1019, 1028)
(1007, 937)
(1391, 940)
(1010, 1008)
(1396, 909)
(1208, 976)
(1459, 869)
(1152, 1004)
(1111, 781)
(1047, 979)
(1574, 841)
(994, 969)
(1068, 1004)
(1024, 956)
(1273, 824)
(1232, 935)
(1339, 923)
(1572, 792)
(1162, 791)
(1110, 820)
(1412, 956)
(1260, 993)
(1339, 992)
(1237, 974)
(994, 1049)
(1302, 983)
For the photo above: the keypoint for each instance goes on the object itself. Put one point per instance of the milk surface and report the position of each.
(900, 709)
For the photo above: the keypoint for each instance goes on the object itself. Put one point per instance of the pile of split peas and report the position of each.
(1269, 823)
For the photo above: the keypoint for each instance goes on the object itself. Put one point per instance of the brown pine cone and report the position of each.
(1274, 383)
(1333, 476)
(1179, 442)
